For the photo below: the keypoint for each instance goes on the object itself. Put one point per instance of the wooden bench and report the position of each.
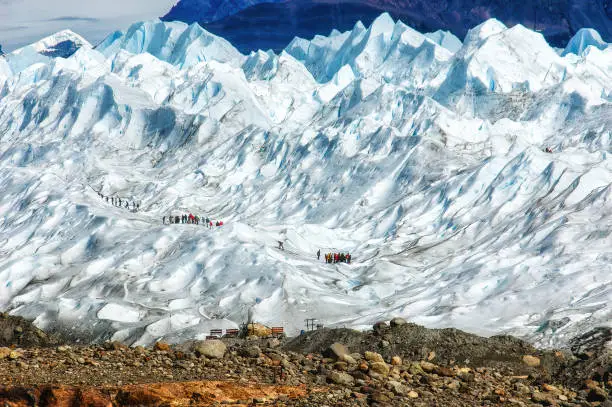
(231, 333)
(216, 332)
(211, 337)
(278, 331)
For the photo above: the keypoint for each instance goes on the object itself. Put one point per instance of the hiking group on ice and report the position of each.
(191, 219)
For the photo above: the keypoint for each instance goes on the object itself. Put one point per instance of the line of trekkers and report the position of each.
(121, 203)
(335, 257)
(191, 219)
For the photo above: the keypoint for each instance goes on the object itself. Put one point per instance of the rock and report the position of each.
(341, 366)
(250, 351)
(273, 343)
(81, 361)
(543, 399)
(385, 343)
(18, 329)
(398, 388)
(14, 355)
(397, 322)
(380, 326)
(363, 366)
(413, 394)
(213, 349)
(161, 346)
(531, 361)
(380, 397)
(396, 361)
(380, 368)
(427, 367)
(444, 371)
(431, 356)
(550, 388)
(373, 357)
(348, 359)
(336, 351)
(597, 394)
(4, 352)
(562, 397)
(454, 385)
(341, 378)
(416, 369)
(259, 330)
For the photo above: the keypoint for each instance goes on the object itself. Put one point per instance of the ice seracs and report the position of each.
(426, 161)
(177, 43)
(62, 44)
(584, 38)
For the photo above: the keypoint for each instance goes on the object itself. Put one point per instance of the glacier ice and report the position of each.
(584, 38)
(422, 157)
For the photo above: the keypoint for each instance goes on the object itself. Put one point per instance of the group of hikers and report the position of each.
(191, 219)
(335, 257)
(121, 203)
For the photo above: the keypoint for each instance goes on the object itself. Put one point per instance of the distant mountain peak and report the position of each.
(61, 44)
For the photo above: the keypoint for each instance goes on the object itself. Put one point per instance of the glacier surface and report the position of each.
(420, 155)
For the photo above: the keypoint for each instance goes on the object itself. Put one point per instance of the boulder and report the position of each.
(213, 349)
(250, 351)
(4, 352)
(341, 378)
(259, 330)
(396, 361)
(15, 355)
(428, 367)
(398, 388)
(397, 322)
(348, 359)
(336, 351)
(380, 368)
(373, 357)
(531, 361)
(161, 346)
(379, 327)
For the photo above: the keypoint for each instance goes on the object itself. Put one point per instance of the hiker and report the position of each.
(106, 199)
(318, 254)
(548, 150)
(348, 258)
(220, 223)
(197, 220)
(210, 224)
(280, 245)
(163, 220)
(176, 219)
(326, 258)
(137, 206)
(191, 218)
(217, 223)
(207, 221)
(127, 205)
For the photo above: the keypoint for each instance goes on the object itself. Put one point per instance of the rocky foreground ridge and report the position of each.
(395, 364)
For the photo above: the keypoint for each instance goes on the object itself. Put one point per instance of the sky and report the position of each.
(25, 21)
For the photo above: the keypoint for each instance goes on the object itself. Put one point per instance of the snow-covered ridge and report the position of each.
(422, 158)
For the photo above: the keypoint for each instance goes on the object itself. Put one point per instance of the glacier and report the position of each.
(422, 156)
